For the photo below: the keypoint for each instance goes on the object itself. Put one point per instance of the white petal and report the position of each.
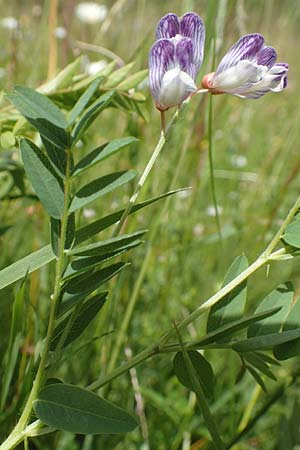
(241, 76)
(176, 86)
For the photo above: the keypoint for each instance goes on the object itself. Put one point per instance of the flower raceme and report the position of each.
(248, 70)
(175, 59)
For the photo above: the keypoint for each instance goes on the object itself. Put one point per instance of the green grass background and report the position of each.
(185, 260)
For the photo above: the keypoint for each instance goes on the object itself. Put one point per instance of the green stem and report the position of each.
(12, 439)
(281, 230)
(160, 145)
(211, 165)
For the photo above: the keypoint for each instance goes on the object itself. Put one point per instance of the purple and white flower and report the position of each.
(248, 70)
(175, 58)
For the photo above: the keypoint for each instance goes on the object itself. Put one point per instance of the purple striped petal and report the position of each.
(247, 47)
(266, 57)
(192, 26)
(161, 58)
(168, 26)
(185, 56)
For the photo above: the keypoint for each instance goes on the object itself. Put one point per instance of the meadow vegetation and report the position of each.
(183, 257)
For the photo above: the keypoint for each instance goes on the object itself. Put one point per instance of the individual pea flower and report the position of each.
(248, 70)
(175, 59)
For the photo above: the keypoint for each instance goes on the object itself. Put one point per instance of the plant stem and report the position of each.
(160, 145)
(263, 259)
(281, 230)
(12, 439)
(211, 165)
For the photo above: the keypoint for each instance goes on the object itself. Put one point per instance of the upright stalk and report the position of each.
(13, 439)
(160, 145)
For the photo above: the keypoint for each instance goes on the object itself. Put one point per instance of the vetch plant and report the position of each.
(57, 175)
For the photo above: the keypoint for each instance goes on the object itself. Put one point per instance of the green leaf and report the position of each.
(127, 103)
(83, 282)
(118, 76)
(42, 113)
(77, 410)
(259, 364)
(88, 312)
(83, 100)
(292, 320)
(29, 263)
(265, 342)
(90, 115)
(292, 234)
(202, 368)
(257, 377)
(282, 296)
(84, 264)
(43, 256)
(86, 232)
(101, 153)
(100, 187)
(228, 330)
(107, 246)
(287, 350)
(55, 233)
(57, 156)
(133, 80)
(63, 79)
(231, 307)
(44, 180)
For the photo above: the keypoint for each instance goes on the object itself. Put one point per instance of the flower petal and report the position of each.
(239, 78)
(266, 57)
(247, 47)
(161, 58)
(168, 26)
(176, 87)
(185, 56)
(192, 26)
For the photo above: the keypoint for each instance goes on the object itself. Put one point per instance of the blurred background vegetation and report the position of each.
(257, 163)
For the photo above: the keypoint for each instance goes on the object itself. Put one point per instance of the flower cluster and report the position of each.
(248, 70)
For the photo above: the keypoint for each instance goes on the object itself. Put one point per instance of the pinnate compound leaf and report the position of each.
(42, 113)
(77, 410)
(43, 256)
(202, 369)
(231, 307)
(90, 115)
(86, 232)
(44, 180)
(102, 152)
(281, 297)
(88, 312)
(83, 100)
(29, 263)
(100, 187)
